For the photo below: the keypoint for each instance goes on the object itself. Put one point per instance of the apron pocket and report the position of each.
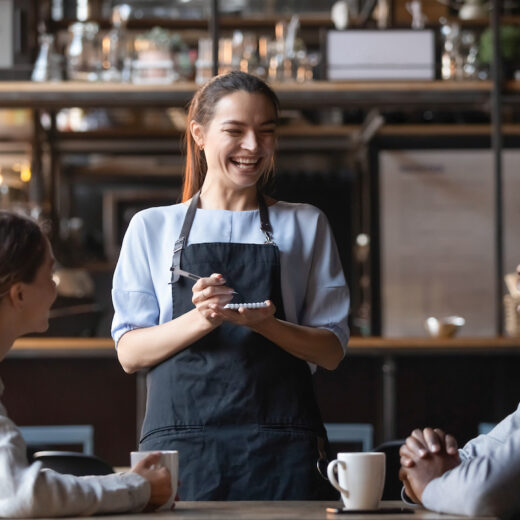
(288, 459)
(171, 431)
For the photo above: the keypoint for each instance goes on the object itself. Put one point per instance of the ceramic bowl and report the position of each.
(443, 327)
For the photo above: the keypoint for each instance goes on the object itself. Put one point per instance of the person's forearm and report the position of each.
(315, 345)
(146, 347)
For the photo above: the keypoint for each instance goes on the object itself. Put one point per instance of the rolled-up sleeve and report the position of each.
(133, 294)
(327, 298)
(484, 485)
(27, 491)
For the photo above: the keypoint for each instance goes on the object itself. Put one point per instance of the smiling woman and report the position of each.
(251, 102)
(26, 265)
(239, 141)
(27, 292)
(229, 385)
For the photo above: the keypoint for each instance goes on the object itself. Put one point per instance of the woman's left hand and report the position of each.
(243, 316)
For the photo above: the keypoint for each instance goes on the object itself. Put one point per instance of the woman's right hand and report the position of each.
(158, 477)
(211, 291)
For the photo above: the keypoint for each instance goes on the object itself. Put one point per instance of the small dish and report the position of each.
(444, 327)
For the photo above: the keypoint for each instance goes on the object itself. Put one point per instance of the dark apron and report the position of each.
(240, 410)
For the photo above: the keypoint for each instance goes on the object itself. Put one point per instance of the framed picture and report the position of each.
(119, 206)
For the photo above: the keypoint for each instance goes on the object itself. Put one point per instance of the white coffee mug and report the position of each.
(361, 479)
(169, 460)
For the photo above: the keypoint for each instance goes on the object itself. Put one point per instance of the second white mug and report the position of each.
(169, 460)
(361, 479)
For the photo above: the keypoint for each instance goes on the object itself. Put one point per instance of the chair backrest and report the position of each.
(393, 485)
(73, 463)
(350, 433)
(50, 436)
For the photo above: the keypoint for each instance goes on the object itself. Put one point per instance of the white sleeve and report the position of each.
(29, 492)
(133, 294)
(327, 298)
(487, 484)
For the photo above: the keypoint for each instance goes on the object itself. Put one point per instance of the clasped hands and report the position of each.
(427, 454)
(211, 294)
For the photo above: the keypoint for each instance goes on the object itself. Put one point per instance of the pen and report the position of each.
(191, 276)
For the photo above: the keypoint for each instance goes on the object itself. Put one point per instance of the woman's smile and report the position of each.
(246, 164)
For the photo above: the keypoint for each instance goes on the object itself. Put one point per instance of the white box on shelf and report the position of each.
(364, 54)
(6, 34)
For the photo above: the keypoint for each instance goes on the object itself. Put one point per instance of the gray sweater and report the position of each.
(487, 482)
(29, 491)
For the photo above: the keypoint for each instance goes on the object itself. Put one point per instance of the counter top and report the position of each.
(104, 347)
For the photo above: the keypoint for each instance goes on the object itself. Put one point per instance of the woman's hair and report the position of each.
(22, 250)
(202, 110)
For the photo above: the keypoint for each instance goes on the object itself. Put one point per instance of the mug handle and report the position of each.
(331, 474)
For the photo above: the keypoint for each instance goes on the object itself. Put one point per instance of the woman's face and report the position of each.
(40, 294)
(239, 141)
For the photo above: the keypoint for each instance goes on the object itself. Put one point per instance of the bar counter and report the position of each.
(376, 346)
(388, 354)
(287, 510)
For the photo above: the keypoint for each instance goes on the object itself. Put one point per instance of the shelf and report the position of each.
(104, 347)
(313, 94)
(260, 21)
(62, 347)
(300, 129)
(315, 21)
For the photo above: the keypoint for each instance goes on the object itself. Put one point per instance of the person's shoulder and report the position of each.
(159, 214)
(299, 211)
(298, 208)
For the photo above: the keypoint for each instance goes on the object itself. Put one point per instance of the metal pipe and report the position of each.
(496, 141)
(389, 370)
(214, 31)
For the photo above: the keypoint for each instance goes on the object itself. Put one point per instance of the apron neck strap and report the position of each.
(265, 225)
(181, 241)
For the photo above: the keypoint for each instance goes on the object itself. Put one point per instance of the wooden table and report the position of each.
(276, 511)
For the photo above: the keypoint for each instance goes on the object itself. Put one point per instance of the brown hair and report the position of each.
(202, 110)
(22, 250)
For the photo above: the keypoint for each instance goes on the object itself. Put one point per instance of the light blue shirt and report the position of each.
(314, 290)
(487, 481)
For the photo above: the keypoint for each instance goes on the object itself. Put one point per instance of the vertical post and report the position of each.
(389, 405)
(214, 31)
(55, 175)
(496, 141)
(36, 186)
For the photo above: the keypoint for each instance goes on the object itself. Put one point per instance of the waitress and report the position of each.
(231, 389)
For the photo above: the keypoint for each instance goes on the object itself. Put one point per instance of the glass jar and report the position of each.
(83, 53)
